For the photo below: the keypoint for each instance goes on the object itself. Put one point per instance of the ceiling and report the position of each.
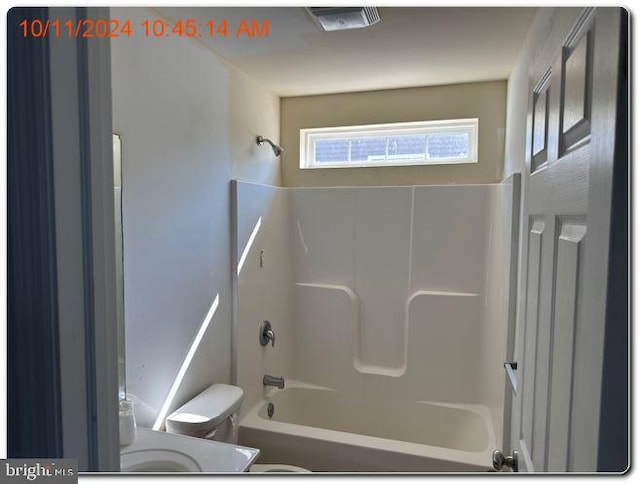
(409, 47)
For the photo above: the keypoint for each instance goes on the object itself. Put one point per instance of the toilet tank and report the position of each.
(212, 414)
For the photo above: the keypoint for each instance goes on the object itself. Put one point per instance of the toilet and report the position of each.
(213, 414)
(276, 468)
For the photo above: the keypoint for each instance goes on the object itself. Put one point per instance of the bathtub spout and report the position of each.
(273, 381)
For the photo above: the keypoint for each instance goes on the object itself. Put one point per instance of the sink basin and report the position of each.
(161, 452)
(157, 460)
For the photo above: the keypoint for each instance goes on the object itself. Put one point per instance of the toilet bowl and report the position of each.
(213, 414)
(276, 468)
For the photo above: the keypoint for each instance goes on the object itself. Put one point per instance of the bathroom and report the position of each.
(343, 317)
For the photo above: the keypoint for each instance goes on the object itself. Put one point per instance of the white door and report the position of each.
(565, 241)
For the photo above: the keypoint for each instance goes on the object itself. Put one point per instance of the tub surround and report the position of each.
(382, 291)
(269, 286)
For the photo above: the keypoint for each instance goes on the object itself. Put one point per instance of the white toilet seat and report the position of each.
(260, 468)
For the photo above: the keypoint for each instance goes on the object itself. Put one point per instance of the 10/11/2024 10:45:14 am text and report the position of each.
(157, 28)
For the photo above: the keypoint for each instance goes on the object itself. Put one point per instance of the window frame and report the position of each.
(309, 136)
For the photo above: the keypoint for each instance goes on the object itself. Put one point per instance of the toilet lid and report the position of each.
(207, 410)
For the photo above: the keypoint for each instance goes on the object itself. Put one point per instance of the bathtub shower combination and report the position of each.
(390, 307)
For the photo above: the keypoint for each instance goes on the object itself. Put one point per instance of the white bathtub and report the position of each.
(322, 430)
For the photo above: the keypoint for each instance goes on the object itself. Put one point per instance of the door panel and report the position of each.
(531, 328)
(543, 347)
(569, 261)
(577, 83)
(540, 122)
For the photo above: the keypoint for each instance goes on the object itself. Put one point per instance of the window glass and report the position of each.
(398, 144)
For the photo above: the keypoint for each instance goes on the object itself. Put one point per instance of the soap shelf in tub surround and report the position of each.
(333, 312)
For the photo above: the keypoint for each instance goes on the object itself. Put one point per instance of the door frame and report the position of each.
(614, 439)
(71, 270)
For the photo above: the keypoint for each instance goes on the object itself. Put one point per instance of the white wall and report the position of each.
(188, 124)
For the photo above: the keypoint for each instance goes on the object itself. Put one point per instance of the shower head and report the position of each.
(276, 149)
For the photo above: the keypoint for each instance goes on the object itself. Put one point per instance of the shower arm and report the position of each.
(260, 140)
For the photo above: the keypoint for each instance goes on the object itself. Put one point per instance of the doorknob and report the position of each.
(499, 460)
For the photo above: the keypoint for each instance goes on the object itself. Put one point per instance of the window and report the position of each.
(396, 144)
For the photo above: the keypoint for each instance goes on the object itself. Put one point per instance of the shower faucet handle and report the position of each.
(267, 334)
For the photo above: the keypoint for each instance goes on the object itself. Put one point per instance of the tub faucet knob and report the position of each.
(267, 334)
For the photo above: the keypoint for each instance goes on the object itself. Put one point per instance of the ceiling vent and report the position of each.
(344, 18)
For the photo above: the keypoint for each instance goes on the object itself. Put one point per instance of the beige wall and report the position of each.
(252, 110)
(484, 100)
